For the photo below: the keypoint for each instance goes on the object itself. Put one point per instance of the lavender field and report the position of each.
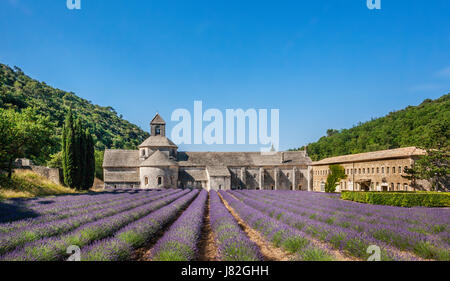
(239, 225)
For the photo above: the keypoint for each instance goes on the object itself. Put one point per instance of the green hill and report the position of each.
(412, 126)
(19, 91)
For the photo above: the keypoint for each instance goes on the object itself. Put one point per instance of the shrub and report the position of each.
(400, 199)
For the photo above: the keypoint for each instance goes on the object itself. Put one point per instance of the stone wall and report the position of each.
(380, 175)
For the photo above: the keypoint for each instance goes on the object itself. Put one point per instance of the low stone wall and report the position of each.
(52, 174)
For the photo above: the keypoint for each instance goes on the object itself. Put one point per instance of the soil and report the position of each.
(269, 252)
(207, 244)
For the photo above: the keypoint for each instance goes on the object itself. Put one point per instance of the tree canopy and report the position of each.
(18, 92)
(23, 134)
(412, 126)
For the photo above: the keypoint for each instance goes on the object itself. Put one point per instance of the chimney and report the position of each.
(282, 157)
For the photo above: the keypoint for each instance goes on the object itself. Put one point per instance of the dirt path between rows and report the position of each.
(269, 252)
(207, 244)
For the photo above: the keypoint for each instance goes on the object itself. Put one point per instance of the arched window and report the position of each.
(220, 187)
(146, 180)
(157, 130)
(159, 180)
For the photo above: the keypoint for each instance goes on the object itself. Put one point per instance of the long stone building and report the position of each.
(371, 171)
(159, 164)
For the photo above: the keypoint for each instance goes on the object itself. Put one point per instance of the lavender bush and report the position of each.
(280, 234)
(179, 243)
(233, 243)
(135, 235)
(53, 248)
(352, 231)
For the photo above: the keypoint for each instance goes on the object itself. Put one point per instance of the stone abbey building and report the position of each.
(371, 171)
(159, 164)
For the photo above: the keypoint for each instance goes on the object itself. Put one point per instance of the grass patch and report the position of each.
(27, 184)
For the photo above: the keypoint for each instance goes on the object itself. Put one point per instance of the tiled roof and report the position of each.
(157, 120)
(376, 155)
(130, 158)
(158, 141)
(157, 159)
(192, 159)
(218, 171)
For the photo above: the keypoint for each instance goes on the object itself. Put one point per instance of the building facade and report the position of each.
(372, 171)
(159, 164)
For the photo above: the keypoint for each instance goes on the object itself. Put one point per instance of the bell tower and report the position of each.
(158, 126)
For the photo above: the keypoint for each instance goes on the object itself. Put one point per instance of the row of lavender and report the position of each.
(47, 213)
(233, 243)
(281, 235)
(180, 242)
(32, 232)
(16, 209)
(96, 226)
(405, 229)
(135, 235)
(431, 221)
(349, 233)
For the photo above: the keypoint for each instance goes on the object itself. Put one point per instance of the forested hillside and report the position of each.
(412, 126)
(18, 91)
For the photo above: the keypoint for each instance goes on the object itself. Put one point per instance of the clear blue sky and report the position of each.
(323, 63)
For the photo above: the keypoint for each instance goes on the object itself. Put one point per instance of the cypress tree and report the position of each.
(90, 161)
(79, 154)
(69, 167)
(63, 153)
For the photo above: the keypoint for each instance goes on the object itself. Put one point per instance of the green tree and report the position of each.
(337, 173)
(68, 151)
(80, 155)
(434, 166)
(22, 134)
(78, 160)
(56, 160)
(403, 128)
(99, 164)
(90, 161)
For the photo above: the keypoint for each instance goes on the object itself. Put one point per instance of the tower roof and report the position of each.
(158, 141)
(158, 159)
(157, 120)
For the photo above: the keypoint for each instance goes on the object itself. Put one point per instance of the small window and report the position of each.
(378, 170)
(159, 180)
(387, 170)
(393, 170)
(287, 175)
(220, 187)
(157, 130)
(382, 170)
(146, 180)
(373, 170)
(399, 169)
